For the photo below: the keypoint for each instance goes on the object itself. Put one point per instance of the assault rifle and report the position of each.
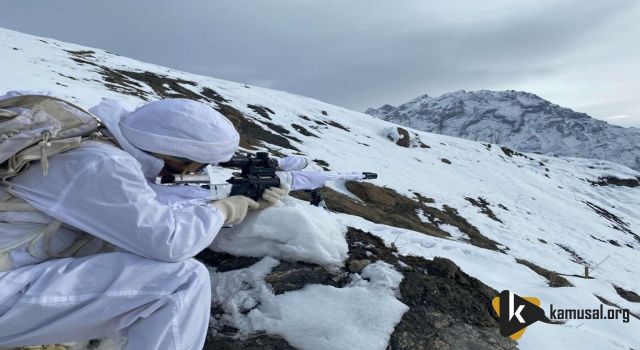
(257, 173)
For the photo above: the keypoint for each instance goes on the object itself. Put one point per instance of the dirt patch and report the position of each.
(251, 134)
(555, 280)
(627, 294)
(385, 206)
(574, 256)
(301, 129)
(229, 340)
(277, 128)
(213, 95)
(163, 86)
(282, 131)
(366, 246)
(423, 199)
(616, 222)
(337, 125)
(483, 204)
(261, 111)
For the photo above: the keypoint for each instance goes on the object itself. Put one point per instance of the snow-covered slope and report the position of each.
(520, 120)
(514, 221)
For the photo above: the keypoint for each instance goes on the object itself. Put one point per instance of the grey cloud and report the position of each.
(357, 53)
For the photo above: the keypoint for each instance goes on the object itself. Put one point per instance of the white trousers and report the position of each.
(156, 305)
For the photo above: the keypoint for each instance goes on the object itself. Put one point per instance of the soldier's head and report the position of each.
(186, 134)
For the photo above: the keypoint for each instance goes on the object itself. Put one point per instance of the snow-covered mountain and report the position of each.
(447, 224)
(520, 120)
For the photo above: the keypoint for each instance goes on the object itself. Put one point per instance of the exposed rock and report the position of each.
(405, 139)
(448, 309)
(612, 180)
(356, 266)
(555, 280)
(293, 276)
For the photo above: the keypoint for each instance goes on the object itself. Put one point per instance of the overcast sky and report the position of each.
(364, 53)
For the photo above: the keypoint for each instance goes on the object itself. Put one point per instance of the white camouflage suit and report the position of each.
(151, 290)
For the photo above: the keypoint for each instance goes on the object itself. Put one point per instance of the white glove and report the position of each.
(292, 163)
(235, 208)
(272, 195)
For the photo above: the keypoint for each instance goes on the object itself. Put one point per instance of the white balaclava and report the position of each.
(181, 128)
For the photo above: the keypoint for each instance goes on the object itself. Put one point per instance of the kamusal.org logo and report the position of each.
(516, 313)
(589, 314)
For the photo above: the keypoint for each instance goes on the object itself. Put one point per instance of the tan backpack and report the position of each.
(34, 127)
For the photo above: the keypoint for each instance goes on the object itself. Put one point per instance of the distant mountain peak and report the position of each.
(520, 120)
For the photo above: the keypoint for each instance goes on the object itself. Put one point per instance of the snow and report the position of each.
(380, 275)
(290, 232)
(324, 317)
(392, 133)
(238, 291)
(359, 316)
(500, 272)
(533, 204)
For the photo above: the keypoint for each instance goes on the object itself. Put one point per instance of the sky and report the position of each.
(366, 53)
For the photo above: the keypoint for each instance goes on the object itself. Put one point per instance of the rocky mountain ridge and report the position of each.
(520, 120)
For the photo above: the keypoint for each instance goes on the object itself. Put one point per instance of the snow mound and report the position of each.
(291, 232)
(380, 275)
(325, 317)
